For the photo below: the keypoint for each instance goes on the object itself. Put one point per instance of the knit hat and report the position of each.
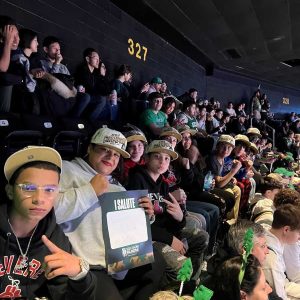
(225, 138)
(30, 154)
(162, 146)
(171, 131)
(254, 131)
(242, 138)
(112, 139)
(135, 135)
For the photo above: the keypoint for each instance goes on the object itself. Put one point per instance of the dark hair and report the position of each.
(227, 284)
(290, 132)
(192, 90)
(123, 69)
(88, 52)
(286, 196)
(50, 40)
(6, 20)
(219, 110)
(167, 102)
(270, 184)
(34, 164)
(26, 37)
(187, 104)
(154, 96)
(287, 215)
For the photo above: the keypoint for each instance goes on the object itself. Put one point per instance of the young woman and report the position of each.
(252, 287)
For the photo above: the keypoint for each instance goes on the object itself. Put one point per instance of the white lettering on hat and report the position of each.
(115, 139)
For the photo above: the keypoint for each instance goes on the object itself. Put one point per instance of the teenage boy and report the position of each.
(285, 231)
(52, 63)
(152, 119)
(170, 219)
(78, 211)
(215, 164)
(262, 212)
(35, 254)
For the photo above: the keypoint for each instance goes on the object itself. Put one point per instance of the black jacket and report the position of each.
(165, 226)
(31, 282)
(95, 84)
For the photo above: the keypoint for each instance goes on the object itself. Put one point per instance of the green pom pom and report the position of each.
(202, 293)
(186, 271)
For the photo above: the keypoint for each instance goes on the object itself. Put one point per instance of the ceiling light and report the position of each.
(239, 67)
(287, 65)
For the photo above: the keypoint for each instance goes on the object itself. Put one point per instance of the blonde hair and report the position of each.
(169, 295)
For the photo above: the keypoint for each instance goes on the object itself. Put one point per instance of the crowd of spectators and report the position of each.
(211, 174)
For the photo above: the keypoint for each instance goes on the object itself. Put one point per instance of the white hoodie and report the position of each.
(274, 269)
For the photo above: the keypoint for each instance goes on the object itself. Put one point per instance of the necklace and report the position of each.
(23, 263)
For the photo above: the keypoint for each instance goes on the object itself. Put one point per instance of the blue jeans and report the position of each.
(82, 101)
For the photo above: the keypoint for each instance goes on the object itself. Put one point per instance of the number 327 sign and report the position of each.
(136, 49)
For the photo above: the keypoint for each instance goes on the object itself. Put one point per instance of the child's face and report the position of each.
(31, 203)
(158, 163)
(34, 45)
(291, 236)
(136, 150)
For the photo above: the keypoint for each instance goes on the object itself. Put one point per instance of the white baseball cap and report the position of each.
(30, 154)
(110, 138)
(162, 146)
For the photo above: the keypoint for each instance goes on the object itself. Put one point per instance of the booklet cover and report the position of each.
(126, 231)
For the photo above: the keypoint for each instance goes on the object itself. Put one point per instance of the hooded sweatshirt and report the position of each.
(263, 210)
(165, 226)
(30, 281)
(274, 269)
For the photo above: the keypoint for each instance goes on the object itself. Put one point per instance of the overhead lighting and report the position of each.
(287, 65)
(239, 67)
(278, 38)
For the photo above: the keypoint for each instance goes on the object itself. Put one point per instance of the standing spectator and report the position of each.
(255, 102)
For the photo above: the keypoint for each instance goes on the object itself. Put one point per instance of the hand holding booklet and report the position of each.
(126, 231)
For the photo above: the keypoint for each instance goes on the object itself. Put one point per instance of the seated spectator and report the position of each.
(25, 96)
(212, 124)
(253, 283)
(263, 207)
(288, 142)
(285, 230)
(55, 102)
(9, 41)
(155, 85)
(168, 107)
(39, 254)
(239, 125)
(188, 115)
(240, 110)
(230, 110)
(189, 96)
(253, 134)
(136, 142)
(245, 175)
(170, 220)
(224, 124)
(201, 118)
(226, 181)
(78, 211)
(153, 119)
(90, 77)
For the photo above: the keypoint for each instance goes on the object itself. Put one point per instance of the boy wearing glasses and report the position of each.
(35, 254)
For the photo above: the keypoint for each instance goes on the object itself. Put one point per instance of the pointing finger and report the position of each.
(51, 247)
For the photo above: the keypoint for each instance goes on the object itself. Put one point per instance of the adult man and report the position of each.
(155, 85)
(78, 210)
(52, 64)
(152, 119)
(35, 254)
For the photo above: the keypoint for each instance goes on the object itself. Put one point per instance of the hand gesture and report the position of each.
(100, 184)
(173, 208)
(58, 58)
(146, 203)
(59, 262)
(178, 245)
(180, 196)
(236, 165)
(10, 32)
(145, 87)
